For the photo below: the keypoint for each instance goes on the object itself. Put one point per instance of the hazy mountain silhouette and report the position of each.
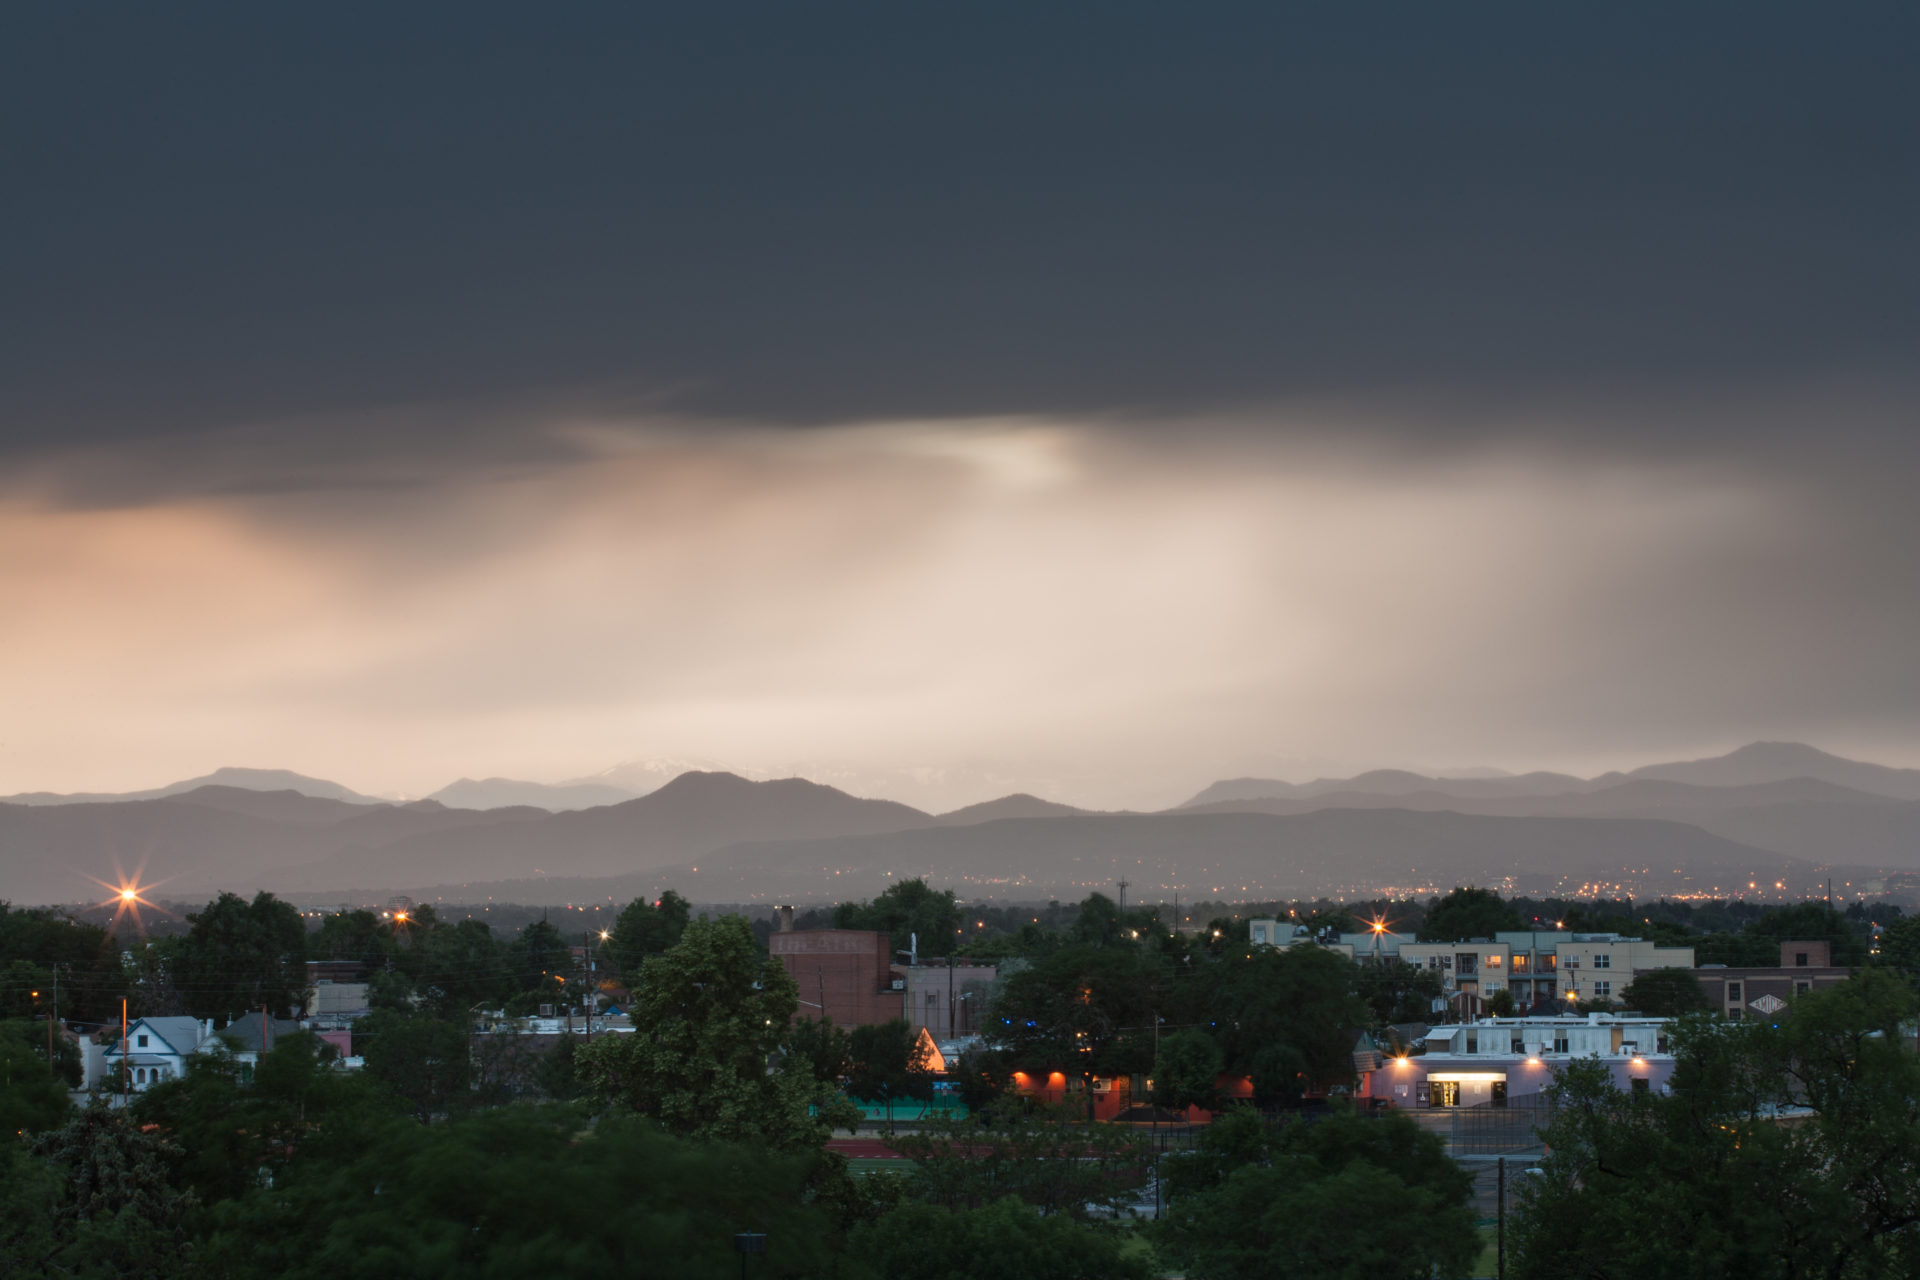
(246, 779)
(1760, 762)
(1021, 805)
(694, 814)
(501, 793)
(799, 838)
(1386, 782)
(1754, 764)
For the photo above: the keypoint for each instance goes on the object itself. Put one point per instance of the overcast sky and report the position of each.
(1094, 400)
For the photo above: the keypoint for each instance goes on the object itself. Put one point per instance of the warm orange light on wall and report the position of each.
(1061, 1076)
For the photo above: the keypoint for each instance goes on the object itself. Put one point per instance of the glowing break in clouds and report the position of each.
(1062, 606)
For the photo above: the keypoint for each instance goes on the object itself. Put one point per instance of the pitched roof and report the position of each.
(181, 1035)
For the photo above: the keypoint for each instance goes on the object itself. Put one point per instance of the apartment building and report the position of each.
(1548, 966)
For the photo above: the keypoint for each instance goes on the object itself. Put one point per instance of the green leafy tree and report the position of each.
(1084, 1011)
(1040, 1154)
(357, 935)
(1287, 1017)
(533, 1192)
(540, 962)
(1899, 948)
(1468, 913)
(239, 956)
(1005, 1239)
(820, 1047)
(1665, 993)
(32, 1096)
(1186, 1069)
(113, 1208)
(645, 929)
(1781, 1151)
(886, 1061)
(45, 942)
(1251, 1203)
(420, 1059)
(907, 910)
(708, 1015)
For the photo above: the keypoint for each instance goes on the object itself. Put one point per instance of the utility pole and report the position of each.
(125, 1075)
(56, 1015)
(1500, 1215)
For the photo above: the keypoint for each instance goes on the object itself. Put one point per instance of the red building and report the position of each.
(846, 975)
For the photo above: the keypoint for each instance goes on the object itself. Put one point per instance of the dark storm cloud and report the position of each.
(811, 214)
(395, 393)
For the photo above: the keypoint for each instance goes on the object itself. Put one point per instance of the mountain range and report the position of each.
(1785, 812)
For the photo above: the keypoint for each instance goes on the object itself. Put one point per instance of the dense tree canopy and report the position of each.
(1468, 913)
(1664, 993)
(1783, 1150)
(238, 956)
(707, 1016)
(907, 912)
(645, 929)
(1348, 1197)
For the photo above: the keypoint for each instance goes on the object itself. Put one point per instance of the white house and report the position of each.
(155, 1049)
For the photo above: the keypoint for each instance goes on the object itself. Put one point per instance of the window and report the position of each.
(1549, 963)
(1473, 1042)
(1733, 993)
(1493, 962)
(1518, 1045)
(1640, 1084)
(1559, 1042)
(143, 1040)
(1603, 961)
(1519, 964)
(1602, 990)
(1800, 959)
(1801, 986)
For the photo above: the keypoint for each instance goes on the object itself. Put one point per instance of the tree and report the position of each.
(231, 1128)
(1468, 913)
(1287, 1017)
(1899, 947)
(1004, 1239)
(1083, 1011)
(818, 1046)
(420, 1059)
(1186, 1069)
(32, 1097)
(239, 956)
(538, 957)
(1709, 1180)
(1665, 993)
(529, 1191)
(1039, 1154)
(113, 1209)
(707, 1015)
(907, 910)
(1252, 1202)
(645, 929)
(886, 1060)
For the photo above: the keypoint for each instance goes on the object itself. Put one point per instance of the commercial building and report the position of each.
(949, 1001)
(1495, 1062)
(1764, 992)
(845, 975)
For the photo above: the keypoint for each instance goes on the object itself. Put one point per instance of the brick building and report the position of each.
(847, 975)
(1763, 992)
